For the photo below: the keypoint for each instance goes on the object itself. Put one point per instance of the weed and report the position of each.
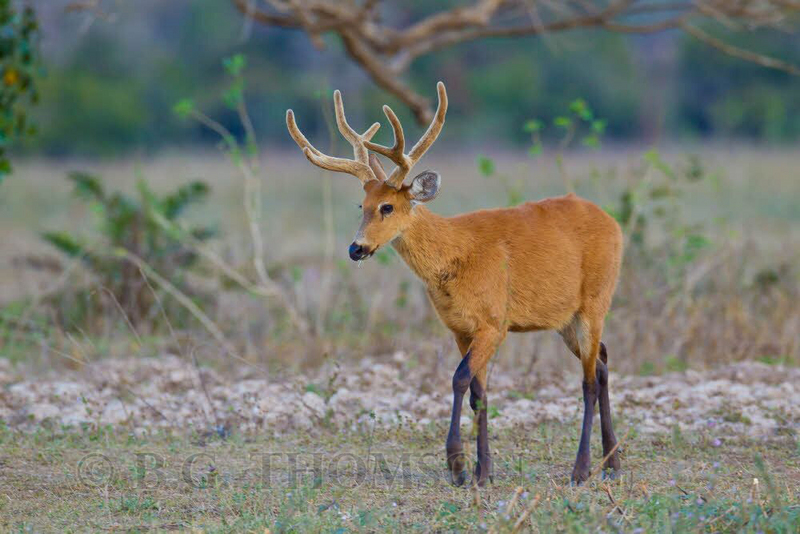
(129, 224)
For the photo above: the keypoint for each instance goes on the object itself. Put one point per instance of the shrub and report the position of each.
(133, 226)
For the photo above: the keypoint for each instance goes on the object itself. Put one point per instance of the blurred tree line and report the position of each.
(110, 88)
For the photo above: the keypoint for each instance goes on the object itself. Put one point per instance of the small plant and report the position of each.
(131, 225)
(513, 190)
(244, 155)
(579, 122)
(655, 196)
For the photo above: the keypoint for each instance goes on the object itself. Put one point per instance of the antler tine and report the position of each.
(360, 166)
(348, 166)
(396, 153)
(370, 133)
(360, 152)
(360, 170)
(434, 129)
(377, 168)
(297, 135)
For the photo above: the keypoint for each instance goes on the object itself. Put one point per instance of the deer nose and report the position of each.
(357, 252)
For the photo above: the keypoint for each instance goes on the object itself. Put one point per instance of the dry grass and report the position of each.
(386, 479)
(734, 301)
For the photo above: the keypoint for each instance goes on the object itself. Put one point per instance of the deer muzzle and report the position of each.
(359, 252)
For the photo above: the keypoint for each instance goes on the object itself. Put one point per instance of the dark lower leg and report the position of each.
(606, 425)
(583, 461)
(478, 400)
(455, 451)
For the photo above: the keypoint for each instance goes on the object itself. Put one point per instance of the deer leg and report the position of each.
(481, 349)
(455, 451)
(583, 461)
(478, 400)
(587, 335)
(606, 425)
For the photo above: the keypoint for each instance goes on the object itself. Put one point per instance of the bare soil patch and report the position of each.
(749, 398)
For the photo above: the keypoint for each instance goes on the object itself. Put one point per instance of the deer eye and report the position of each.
(386, 209)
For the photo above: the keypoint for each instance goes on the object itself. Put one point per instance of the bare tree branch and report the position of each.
(740, 53)
(385, 52)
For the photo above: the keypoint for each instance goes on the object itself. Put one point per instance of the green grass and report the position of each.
(387, 479)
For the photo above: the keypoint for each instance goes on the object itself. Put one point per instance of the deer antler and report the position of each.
(397, 154)
(359, 165)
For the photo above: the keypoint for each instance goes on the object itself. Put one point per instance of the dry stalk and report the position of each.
(524, 516)
(616, 507)
(329, 233)
(204, 389)
(513, 501)
(252, 207)
(180, 296)
(269, 290)
(148, 272)
(37, 299)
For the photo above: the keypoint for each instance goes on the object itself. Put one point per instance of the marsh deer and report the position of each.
(547, 265)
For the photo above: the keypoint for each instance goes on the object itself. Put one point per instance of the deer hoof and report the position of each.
(483, 473)
(455, 463)
(610, 473)
(458, 479)
(580, 473)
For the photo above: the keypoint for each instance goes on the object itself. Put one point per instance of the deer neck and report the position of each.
(430, 244)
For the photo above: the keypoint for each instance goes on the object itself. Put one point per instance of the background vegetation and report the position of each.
(119, 79)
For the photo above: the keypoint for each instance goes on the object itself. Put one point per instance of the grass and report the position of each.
(728, 295)
(387, 479)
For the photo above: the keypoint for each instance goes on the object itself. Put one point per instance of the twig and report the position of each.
(741, 53)
(178, 295)
(513, 501)
(144, 401)
(203, 387)
(524, 516)
(602, 464)
(614, 502)
(252, 206)
(124, 315)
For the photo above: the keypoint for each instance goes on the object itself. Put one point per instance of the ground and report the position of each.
(240, 423)
(160, 444)
(379, 479)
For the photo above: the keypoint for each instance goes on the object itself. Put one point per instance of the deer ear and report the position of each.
(425, 186)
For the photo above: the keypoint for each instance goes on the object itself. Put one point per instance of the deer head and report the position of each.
(388, 205)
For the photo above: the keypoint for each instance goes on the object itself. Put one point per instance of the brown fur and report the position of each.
(547, 265)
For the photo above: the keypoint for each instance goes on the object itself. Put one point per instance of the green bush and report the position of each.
(132, 226)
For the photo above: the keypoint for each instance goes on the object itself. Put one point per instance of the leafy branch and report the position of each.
(246, 159)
